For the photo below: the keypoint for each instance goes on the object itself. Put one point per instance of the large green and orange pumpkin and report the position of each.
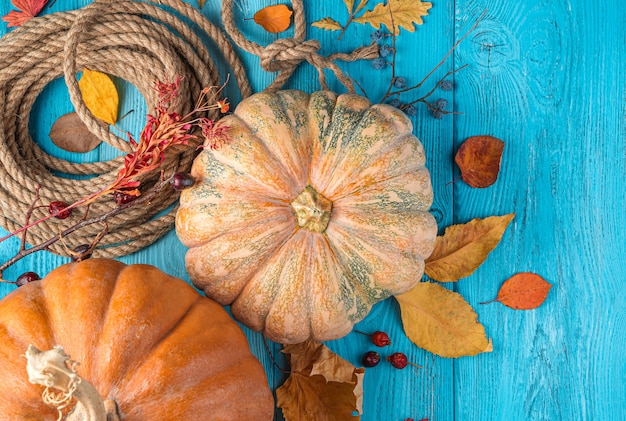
(148, 343)
(315, 210)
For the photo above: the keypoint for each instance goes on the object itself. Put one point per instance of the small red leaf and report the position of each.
(523, 291)
(28, 9)
(479, 160)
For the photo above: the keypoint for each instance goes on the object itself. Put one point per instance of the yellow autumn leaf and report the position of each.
(349, 5)
(442, 322)
(464, 247)
(275, 18)
(405, 13)
(328, 24)
(321, 385)
(100, 95)
(201, 3)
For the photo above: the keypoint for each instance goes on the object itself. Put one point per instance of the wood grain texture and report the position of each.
(549, 79)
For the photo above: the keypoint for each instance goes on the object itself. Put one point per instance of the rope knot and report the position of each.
(287, 53)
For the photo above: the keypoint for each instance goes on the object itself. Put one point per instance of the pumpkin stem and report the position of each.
(54, 370)
(312, 210)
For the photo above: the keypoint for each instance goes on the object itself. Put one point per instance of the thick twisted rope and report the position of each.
(138, 41)
(284, 55)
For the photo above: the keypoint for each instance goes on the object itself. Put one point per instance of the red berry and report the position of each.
(26, 277)
(182, 181)
(380, 339)
(370, 359)
(398, 360)
(57, 207)
(123, 198)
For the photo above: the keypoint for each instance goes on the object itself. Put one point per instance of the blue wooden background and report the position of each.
(548, 78)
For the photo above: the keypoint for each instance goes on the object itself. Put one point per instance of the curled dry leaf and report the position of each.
(100, 95)
(70, 133)
(404, 13)
(464, 247)
(442, 322)
(321, 385)
(479, 160)
(523, 291)
(275, 18)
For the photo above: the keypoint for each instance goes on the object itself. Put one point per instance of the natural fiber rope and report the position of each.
(284, 55)
(138, 41)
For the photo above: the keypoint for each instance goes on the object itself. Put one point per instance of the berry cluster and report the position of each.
(372, 358)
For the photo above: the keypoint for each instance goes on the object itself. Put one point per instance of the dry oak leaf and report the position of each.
(28, 9)
(464, 247)
(479, 160)
(523, 291)
(321, 386)
(275, 18)
(442, 322)
(327, 23)
(71, 134)
(100, 95)
(405, 13)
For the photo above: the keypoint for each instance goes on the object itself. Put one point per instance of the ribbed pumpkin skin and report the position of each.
(143, 338)
(245, 245)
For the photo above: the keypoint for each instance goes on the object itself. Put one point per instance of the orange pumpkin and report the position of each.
(315, 210)
(151, 346)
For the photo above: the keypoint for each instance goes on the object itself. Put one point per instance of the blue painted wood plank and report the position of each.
(547, 78)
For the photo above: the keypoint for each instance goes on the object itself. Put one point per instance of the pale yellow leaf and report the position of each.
(275, 18)
(100, 95)
(321, 385)
(349, 5)
(328, 24)
(464, 247)
(442, 322)
(361, 6)
(405, 13)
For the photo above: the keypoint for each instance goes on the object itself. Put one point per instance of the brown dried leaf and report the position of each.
(442, 322)
(523, 291)
(479, 159)
(275, 18)
(405, 13)
(321, 385)
(71, 134)
(100, 95)
(464, 247)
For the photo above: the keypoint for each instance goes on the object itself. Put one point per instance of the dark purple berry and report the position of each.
(395, 102)
(398, 360)
(399, 82)
(26, 277)
(81, 252)
(411, 110)
(441, 103)
(385, 50)
(379, 63)
(446, 85)
(380, 338)
(370, 359)
(121, 198)
(437, 113)
(182, 181)
(57, 207)
(377, 36)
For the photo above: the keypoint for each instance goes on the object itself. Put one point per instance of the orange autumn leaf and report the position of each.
(464, 247)
(442, 322)
(479, 160)
(523, 291)
(100, 95)
(28, 9)
(274, 19)
(321, 385)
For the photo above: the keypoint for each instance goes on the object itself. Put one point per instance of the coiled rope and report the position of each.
(137, 41)
(140, 42)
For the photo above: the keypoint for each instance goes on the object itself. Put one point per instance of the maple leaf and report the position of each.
(100, 95)
(442, 322)
(396, 14)
(28, 9)
(275, 18)
(321, 385)
(523, 291)
(464, 247)
(479, 159)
